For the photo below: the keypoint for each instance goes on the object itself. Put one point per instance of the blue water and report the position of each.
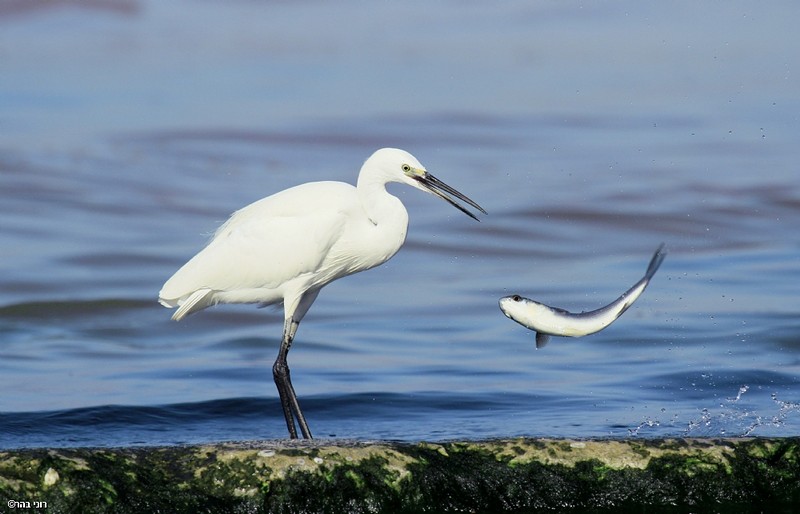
(129, 130)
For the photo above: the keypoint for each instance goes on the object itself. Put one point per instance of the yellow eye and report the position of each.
(406, 168)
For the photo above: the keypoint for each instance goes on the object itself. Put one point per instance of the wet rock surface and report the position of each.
(519, 475)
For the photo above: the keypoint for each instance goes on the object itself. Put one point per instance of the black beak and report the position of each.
(447, 193)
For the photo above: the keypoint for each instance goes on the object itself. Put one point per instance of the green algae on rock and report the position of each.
(519, 475)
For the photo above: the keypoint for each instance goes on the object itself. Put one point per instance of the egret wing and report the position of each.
(261, 247)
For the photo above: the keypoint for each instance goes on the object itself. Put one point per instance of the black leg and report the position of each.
(283, 381)
(280, 372)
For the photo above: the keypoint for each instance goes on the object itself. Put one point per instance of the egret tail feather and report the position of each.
(196, 301)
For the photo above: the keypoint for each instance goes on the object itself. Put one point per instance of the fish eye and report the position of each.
(406, 168)
(516, 298)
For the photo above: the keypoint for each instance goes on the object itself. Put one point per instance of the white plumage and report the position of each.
(279, 247)
(286, 247)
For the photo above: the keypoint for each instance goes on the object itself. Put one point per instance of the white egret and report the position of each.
(286, 247)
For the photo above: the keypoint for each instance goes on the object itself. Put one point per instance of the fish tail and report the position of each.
(655, 262)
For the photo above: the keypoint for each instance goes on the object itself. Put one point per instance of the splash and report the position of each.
(740, 421)
(732, 418)
(742, 390)
(633, 432)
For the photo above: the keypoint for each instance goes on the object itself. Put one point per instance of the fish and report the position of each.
(549, 321)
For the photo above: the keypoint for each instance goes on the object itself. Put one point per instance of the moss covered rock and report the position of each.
(520, 475)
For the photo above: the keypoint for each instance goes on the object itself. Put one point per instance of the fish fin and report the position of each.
(623, 309)
(541, 340)
(655, 262)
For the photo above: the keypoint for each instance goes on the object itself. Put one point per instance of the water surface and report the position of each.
(130, 130)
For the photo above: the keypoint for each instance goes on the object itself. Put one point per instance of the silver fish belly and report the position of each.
(547, 321)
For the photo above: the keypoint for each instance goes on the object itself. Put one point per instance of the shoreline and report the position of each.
(508, 475)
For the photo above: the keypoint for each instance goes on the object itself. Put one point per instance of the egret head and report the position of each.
(401, 166)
